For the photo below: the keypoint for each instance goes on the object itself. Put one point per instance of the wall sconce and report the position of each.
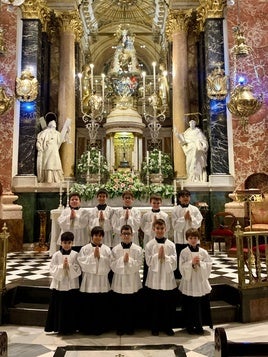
(5, 101)
(26, 87)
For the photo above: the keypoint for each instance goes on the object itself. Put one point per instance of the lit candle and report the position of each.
(103, 85)
(154, 65)
(92, 78)
(143, 84)
(99, 159)
(175, 186)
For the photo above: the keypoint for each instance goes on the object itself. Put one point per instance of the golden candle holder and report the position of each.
(42, 245)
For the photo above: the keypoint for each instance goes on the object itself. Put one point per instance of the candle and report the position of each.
(147, 158)
(88, 158)
(99, 159)
(181, 184)
(102, 86)
(68, 187)
(92, 78)
(159, 158)
(175, 186)
(143, 84)
(154, 65)
(60, 188)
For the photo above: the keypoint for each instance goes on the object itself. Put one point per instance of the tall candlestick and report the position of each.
(154, 75)
(102, 86)
(92, 78)
(143, 84)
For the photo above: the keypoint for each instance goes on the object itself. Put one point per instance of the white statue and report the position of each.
(49, 140)
(195, 146)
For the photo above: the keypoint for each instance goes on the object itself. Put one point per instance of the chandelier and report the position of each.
(243, 102)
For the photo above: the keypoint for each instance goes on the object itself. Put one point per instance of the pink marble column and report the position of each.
(178, 26)
(66, 100)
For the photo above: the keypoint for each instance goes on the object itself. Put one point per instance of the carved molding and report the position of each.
(178, 21)
(70, 22)
(210, 9)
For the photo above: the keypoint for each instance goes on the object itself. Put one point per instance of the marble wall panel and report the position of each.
(251, 145)
(7, 79)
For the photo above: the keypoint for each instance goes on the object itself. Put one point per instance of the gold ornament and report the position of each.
(26, 87)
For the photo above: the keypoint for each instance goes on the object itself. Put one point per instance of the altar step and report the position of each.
(28, 305)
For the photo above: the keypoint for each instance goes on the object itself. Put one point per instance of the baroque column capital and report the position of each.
(210, 9)
(70, 22)
(178, 21)
(36, 9)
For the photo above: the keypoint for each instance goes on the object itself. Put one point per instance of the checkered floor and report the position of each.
(33, 266)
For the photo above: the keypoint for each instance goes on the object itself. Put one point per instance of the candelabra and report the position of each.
(92, 104)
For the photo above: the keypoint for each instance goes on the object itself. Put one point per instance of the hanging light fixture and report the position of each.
(243, 101)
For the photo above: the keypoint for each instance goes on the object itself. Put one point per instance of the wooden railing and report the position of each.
(252, 258)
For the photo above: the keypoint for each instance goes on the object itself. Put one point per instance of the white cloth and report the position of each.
(49, 168)
(118, 220)
(180, 225)
(106, 224)
(161, 273)
(94, 271)
(194, 282)
(126, 278)
(147, 224)
(64, 279)
(79, 226)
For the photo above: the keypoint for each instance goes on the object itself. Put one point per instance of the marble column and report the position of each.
(29, 111)
(177, 32)
(216, 109)
(70, 30)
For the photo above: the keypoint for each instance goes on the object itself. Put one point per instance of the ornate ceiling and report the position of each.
(145, 18)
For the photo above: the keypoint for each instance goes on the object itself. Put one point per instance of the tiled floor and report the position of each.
(24, 341)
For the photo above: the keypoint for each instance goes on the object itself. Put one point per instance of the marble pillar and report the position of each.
(177, 28)
(217, 115)
(66, 101)
(29, 111)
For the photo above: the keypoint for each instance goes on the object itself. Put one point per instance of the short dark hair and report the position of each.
(72, 194)
(184, 193)
(102, 190)
(126, 227)
(159, 222)
(125, 193)
(97, 230)
(155, 197)
(67, 236)
(192, 232)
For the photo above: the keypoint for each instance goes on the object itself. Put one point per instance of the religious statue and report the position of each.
(49, 140)
(195, 147)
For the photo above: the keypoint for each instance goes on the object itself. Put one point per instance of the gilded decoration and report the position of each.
(26, 87)
(217, 84)
(211, 9)
(70, 21)
(5, 101)
(178, 21)
(36, 9)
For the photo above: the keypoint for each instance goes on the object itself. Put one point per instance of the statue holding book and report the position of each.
(195, 147)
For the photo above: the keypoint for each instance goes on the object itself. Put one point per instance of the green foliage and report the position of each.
(92, 164)
(153, 167)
